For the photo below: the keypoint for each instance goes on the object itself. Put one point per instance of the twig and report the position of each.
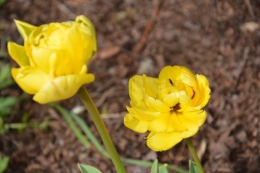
(66, 10)
(248, 4)
(148, 28)
(243, 66)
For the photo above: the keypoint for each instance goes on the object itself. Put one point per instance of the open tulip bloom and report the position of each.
(169, 107)
(53, 61)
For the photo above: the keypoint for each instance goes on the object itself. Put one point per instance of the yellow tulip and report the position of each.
(53, 61)
(170, 107)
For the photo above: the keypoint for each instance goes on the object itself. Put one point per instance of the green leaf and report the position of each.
(3, 163)
(6, 104)
(155, 167)
(88, 169)
(193, 167)
(5, 76)
(2, 2)
(72, 125)
(163, 168)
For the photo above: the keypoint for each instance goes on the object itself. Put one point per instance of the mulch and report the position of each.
(219, 39)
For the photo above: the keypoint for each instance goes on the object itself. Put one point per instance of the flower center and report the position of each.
(176, 108)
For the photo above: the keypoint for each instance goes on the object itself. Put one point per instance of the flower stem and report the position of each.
(90, 106)
(194, 155)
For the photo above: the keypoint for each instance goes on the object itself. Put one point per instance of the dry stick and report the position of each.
(141, 43)
(243, 67)
(148, 28)
(248, 4)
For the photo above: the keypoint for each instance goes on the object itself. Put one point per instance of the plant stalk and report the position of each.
(93, 112)
(194, 155)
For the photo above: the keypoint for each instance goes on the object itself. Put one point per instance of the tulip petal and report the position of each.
(30, 79)
(143, 115)
(83, 53)
(136, 91)
(24, 28)
(62, 87)
(18, 54)
(90, 25)
(170, 72)
(156, 105)
(193, 118)
(163, 141)
(190, 132)
(160, 124)
(150, 86)
(175, 124)
(171, 99)
(135, 124)
(176, 74)
(203, 90)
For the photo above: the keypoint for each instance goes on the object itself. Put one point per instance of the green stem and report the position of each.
(194, 155)
(90, 106)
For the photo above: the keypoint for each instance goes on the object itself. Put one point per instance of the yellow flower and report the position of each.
(169, 107)
(53, 61)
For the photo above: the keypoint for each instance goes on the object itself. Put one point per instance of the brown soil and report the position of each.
(219, 39)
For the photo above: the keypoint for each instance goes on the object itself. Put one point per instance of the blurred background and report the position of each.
(217, 38)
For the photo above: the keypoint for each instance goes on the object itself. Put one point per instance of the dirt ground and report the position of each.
(217, 38)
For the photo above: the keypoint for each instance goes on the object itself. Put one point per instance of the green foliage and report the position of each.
(3, 163)
(5, 76)
(2, 2)
(88, 169)
(6, 105)
(72, 125)
(192, 167)
(157, 168)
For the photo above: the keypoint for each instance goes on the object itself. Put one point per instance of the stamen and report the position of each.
(177, 107)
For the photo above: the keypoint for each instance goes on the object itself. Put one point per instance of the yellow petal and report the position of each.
(160, 124)
(135, 124)
(156, 105)
(30, 79)
(136, 91)
(24, 28)
(62, 87)
(190, 132)
(82, 54)
(18, 54)
(203, 90)
(193, 118)
(174, 124)
(170, 72)
(163, 141)
(150, 86)
(184, 100)
(143, 115)
(71, 47)
(177, 74)
(91, 27)
(171, 99)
